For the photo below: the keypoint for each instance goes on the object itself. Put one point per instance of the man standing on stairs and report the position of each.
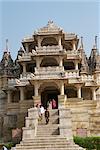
(47, 115)
(42, 110)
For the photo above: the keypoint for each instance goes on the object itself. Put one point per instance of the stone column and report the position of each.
(74, 46)
(76, 65)
(60, 62)
(39, 42)
(37, 62)
(78, 86)
(22, 96)
(79, 92)
(9, 97)
(62, 89)
(26, 46)
(36, 97)
(93, 93)
(36, 89)
(24, 67)
(59, 41)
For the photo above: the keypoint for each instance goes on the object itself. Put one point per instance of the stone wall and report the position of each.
(85, 117)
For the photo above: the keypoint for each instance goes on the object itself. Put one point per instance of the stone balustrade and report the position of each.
(71, 74)
(72, 54)
(49, 49)
(25, 57)
(26, 75)
(87, 78)
(11, 82)
(49, 70)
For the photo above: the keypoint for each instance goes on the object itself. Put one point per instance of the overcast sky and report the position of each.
(20, 18)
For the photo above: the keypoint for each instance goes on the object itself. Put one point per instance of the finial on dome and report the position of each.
(6, 49)
(81, 42)
(50, 22)
(96, 42)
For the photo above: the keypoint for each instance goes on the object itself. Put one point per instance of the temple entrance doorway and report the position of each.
(48, 95)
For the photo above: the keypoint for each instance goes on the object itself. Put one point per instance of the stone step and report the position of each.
(52, 120)
(49, 144)
(54, 137)
(44, 142)
(44, 146)
(48, 131)
(54, 112)
(50, 149)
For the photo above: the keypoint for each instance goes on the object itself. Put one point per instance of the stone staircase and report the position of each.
(47, 136)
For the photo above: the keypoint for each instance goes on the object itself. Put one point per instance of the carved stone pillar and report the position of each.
(74, 45)
(60, 62)
(93, 93)
(59, 41)
(79, 92)
(22, 96)
(37, 62)
(36, 93)
(62, 89)
(26, 46)
(39, 42)
(9, 96)
(24, 67)
(76, 65)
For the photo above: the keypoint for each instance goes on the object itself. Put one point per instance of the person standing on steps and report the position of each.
(42, 110)
(47, 115)
(39, 113)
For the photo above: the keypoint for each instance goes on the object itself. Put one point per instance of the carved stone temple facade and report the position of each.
(51, 65)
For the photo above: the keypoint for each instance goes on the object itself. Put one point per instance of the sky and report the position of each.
(20, 18)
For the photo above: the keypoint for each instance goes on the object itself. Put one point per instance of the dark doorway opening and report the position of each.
(48, 96)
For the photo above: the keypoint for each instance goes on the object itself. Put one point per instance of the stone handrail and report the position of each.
(48, 49)
(49, 70)
(25, 56)
(87, 78)
(71, 74)
(11, 82)
(26, 76)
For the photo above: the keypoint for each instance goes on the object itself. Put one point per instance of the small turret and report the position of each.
(84, 62)
(94, 59)
(6, 64)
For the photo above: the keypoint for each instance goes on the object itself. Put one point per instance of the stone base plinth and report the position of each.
(28, 133)
(36, 100)
(61, 100)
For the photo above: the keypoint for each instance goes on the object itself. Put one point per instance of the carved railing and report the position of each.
(25, 57)
(49, 49)
(87, 78)
(11, 82)
(73, 54)
(71, 74)
(26, 75)
(49, 70)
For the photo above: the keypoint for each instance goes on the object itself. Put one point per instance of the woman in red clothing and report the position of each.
(54, 104)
